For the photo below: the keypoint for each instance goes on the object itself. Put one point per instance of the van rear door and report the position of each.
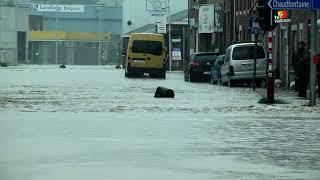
(147, 54)
(243, 59)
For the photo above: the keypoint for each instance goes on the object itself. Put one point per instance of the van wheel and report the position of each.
(231, 83)
(126, 73)
(191, 78)
(163, 75)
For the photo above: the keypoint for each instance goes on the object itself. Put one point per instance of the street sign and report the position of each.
(292, 4)
(316, 4)
(254, 27)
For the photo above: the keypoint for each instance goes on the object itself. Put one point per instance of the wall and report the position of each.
(12, 20)
(110, 18)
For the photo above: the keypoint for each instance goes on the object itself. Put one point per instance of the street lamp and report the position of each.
(170, 39)
(56, 53)
(99, 37)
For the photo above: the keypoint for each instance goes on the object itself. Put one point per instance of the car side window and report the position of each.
(228, 55)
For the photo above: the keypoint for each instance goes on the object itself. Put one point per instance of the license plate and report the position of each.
(139, 61)
(248, 66)
(207, 72)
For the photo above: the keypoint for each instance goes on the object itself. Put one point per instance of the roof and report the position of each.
(178, 17)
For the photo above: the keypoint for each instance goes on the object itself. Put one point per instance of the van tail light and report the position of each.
(195, 64)
(129, 61)
(231, 71)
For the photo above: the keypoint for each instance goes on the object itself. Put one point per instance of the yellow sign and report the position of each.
(68, 36)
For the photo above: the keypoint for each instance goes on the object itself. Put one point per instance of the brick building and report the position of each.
(285, 36)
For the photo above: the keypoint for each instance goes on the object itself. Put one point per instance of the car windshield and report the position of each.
(205, 57)
(148, 47)
(247, 52)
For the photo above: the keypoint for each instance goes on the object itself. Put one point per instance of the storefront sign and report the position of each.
(210, 19)
(176, 54)
(58, 8)
(162, 28)
(158, 17)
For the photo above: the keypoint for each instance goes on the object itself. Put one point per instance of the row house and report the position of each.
(285, 36)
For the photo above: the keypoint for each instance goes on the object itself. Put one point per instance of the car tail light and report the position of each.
(195, 64)
(231, 71)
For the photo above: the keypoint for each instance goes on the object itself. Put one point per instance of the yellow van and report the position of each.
(146, 53)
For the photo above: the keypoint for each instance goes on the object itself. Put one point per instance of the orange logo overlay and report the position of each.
(283, 14)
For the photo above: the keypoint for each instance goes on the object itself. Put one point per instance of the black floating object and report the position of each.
(4, 65)
(163, 92)
(118, 67)
(62, 66)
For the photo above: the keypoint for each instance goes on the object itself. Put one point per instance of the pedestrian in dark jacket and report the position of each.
(301, 65)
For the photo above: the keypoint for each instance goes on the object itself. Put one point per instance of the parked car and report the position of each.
(215, 70)
(238, 64)
(198, 67)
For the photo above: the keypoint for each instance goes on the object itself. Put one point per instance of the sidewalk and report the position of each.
(290, 97)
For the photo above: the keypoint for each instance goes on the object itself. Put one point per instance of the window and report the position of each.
(228, 55)
(148, 47)
(205, 57)
(247, 52)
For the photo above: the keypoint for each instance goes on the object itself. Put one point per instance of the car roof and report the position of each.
(245, 44)
(204, 53)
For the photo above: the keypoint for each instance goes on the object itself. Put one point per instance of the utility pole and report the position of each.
(170, 38)
(313, 53)
(56, 53)
(189, 30)
(99, 36)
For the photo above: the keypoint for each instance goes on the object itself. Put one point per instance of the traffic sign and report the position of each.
(316, 4)
(292, 4)
(254, 27)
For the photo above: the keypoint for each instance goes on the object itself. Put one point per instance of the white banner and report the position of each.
(58, 7)
(162, 28)
(210, 19)
(156, 5)
(158, 17)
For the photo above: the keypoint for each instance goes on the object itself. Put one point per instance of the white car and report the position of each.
(238, 64)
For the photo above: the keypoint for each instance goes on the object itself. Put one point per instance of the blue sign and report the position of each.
(254, 27)
(316, 4)
(292, 4)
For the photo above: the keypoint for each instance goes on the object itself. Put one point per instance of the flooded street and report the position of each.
(90, 122)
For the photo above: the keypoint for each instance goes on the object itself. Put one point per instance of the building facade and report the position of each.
(13, 30)
(285, 36)
(136, 13)
(91, 47)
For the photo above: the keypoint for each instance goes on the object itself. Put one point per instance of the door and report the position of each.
(225, 68)
(147, 54)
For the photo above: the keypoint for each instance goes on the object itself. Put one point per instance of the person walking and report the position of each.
(301, 65)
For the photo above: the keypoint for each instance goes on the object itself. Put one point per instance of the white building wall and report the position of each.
(135, 11)
(12, 20)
